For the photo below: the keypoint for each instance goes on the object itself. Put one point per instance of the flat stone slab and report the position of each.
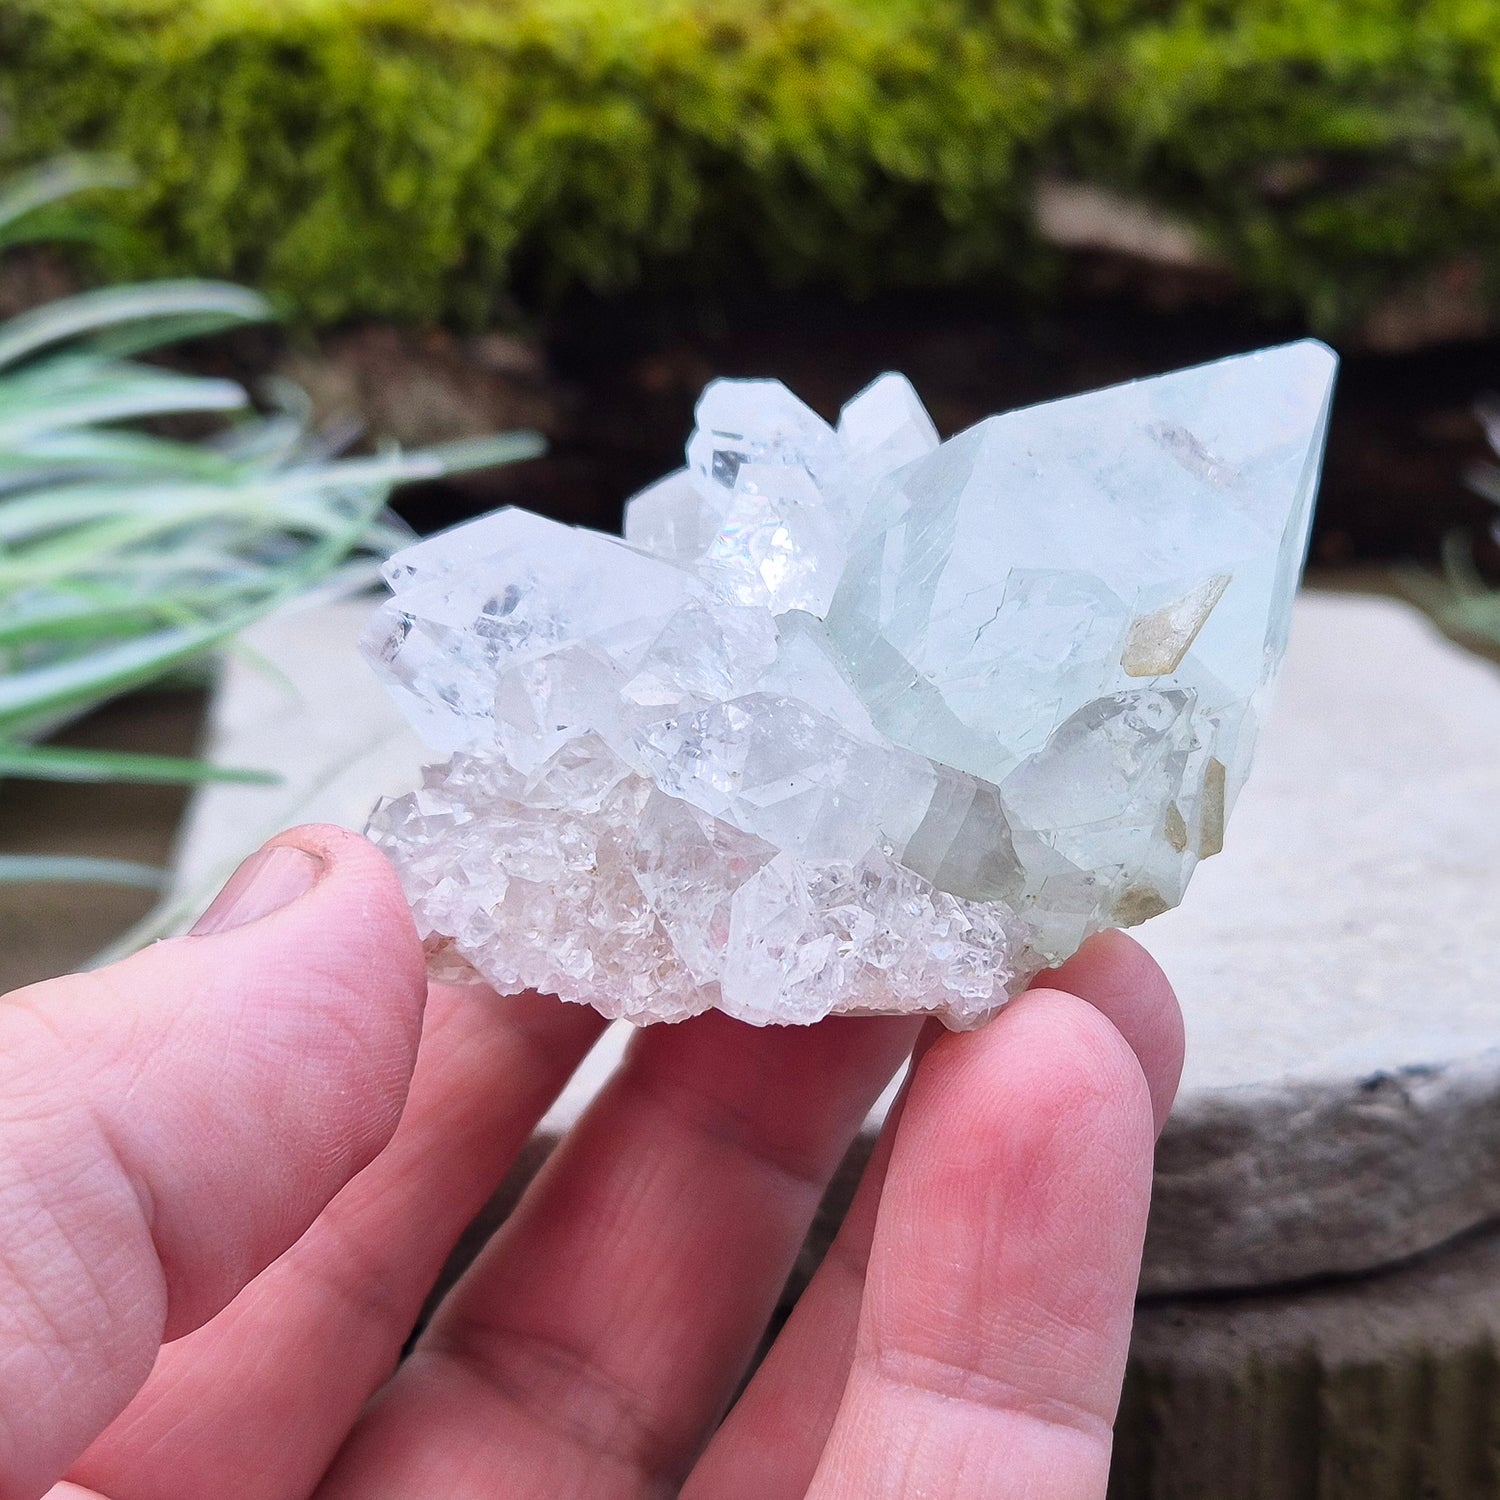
(1339, 968)
(296, 699)
(1337, 965)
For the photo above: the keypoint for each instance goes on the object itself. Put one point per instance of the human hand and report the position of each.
(196, 1147)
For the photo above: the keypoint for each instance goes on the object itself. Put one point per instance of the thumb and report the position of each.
(170, 1125)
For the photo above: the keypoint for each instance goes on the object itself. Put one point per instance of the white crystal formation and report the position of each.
(852, 720)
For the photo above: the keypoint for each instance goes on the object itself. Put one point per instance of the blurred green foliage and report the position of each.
(422, 159)
(1333, 149)
(128, 554)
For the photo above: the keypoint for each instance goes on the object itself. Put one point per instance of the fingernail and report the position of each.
(267, 881)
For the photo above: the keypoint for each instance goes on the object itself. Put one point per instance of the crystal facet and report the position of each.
(852, 720)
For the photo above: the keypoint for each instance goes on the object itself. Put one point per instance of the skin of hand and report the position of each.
(232, 1166)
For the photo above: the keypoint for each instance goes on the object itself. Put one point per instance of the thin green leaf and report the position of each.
(465, 454)
(76, 454)
(76, 549)
(65, 763)
(44, 695)
(69, 507)
(52, 182)
(24, 869)
(160, 539)
(157, 333)
(42, 692)
(73, 392)
(63, 621)
(270, 443)
(97, 518)
(158, 307)
(418, 463)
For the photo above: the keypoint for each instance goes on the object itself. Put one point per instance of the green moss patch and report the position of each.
(425, 160)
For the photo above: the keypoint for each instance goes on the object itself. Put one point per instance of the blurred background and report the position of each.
(567, 214)
(271, 264)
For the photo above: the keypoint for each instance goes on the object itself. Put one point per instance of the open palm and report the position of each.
(196, 1146)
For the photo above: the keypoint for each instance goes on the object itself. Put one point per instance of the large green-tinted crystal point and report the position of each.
(1084, 602)
(853, 720)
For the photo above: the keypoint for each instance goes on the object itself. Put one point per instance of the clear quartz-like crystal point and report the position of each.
(853, 720)
(887, 424)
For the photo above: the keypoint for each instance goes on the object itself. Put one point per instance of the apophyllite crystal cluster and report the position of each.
(852, 719)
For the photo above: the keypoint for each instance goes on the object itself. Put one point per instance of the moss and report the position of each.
(425, 159)
(1333, 148)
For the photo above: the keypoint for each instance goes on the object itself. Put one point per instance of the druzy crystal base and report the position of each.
(852, 720)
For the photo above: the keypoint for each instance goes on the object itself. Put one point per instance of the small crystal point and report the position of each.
(854, 720)
(887, 422)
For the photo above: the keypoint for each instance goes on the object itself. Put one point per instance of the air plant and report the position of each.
(126, 553)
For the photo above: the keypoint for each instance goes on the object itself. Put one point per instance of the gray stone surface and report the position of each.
(1337, 965)
(1339, 968)
(1386, 1387)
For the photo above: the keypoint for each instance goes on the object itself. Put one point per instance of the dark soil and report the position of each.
(622, 374)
